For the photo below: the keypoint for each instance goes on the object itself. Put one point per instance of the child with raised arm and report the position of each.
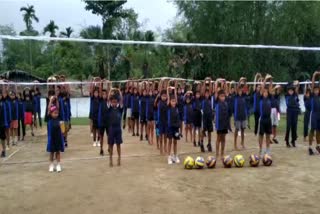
(135, 111)
(103, 121)
(21, 126)
(150, 111)
(197, 119)
(222, 115)
(114, 131)
(188, 115)
(207, 113)
(275, 111)
(307, 113)
(240, 113)
(55, 138)
(4, 123)
(14, 106)
(143, 111)
(265, 125)
(93, 114)
(293, 110)
(162, 108)
(173, 125)
(315, 114)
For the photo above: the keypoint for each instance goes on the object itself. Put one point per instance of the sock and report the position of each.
(15, 139)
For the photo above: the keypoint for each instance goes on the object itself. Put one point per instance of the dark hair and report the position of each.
(163, 92)
(221, 92)
(172, 97)
(114, 97)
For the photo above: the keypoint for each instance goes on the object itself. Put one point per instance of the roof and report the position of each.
(20, 76)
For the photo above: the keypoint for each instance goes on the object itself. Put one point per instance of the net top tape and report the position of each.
(159, 43)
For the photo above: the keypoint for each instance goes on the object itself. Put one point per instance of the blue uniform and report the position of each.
(206, 107)
(222, 115)
(114, 130)
(197, 115)
(188, 113)
(94, 111)
(4, 122)
(240, 108)
(173, 122)
(143, 109)
(162, 117)
(306, 119)
(265, 125)
(256, 100)
(293, 110)
(135, 100)
(55, 137)
(150, 111)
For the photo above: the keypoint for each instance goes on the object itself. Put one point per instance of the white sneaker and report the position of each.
(51, 168)
(58, 167)
(98, 144)
(169, 160)
(91, 135)
(177, 160)
(94, 144)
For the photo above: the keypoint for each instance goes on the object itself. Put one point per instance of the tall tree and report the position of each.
(29, 14)
(67, 33)
(51, 28)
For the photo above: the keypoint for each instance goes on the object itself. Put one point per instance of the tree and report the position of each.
(28, 16)
(67, 33)
(51, 28)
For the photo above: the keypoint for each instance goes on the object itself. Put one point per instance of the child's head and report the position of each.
(95, 93)
(144, 92)
(265, 92)
(163, 95)
(19, 95)
(173, 101)
(198, 94)
(104, 94)
(155, 92)
(188, 99)
(308, 91)
(150, 92)
(135, 91)
(240, 90)
(221, 95)
(258, 88)
(207, 93)
(114, 101)
(179, 90)
(130, 90)
(54, 112)
(290, 91)
(316, 89)
(12, 95)
(27, 97)
(232, 90)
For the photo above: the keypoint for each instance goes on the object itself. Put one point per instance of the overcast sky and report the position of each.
(154, 14)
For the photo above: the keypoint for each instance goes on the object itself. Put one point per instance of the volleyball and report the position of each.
(254, 160)
(239, 161)
(267, 160)
(227, 161)
(199, 162)
(211, 162)
(188, 162)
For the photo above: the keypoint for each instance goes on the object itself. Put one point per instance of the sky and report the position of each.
(154, 14)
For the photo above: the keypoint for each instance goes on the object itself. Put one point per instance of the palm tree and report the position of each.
(28, 16)
(51, 28)
(67, 33)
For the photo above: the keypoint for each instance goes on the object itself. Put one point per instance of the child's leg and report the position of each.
(40, 120)
(110, 154)
(151, 134)
(15, 134)
(141, 131)
(19, 129)
(186, 130)
(194, 136)
(94, 134)
(137, 124)
(101, 141)
(311, 135)
(199, 134)
(190, 131)
(294, 127)
(23, 129)
(145, 128)
(91, 130)
(242, 138)
(161, 146)
(223, 143)
(217, 146)
(236, 139)
(31, 127)
(175, 145)
(58, 156)
(51, 157)
(8, 136)
(165, 143)
(169, 146)
(3, 144)
(268, 143)
(119, 154)
(289, 121)
(260, 143)
(133, 126)
(318, 140)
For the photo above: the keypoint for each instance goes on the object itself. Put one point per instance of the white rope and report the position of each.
(130, 42)
(124, 81)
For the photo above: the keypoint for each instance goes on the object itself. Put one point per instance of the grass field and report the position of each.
(145, 183)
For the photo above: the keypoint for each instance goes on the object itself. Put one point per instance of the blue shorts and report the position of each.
(315, 121)
(163, 129)
(114, 135)
(172, 132)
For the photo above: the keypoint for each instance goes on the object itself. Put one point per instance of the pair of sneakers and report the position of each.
(173, 159)
(311, 150)
(3, 154)
(96, 144)
(52, 168)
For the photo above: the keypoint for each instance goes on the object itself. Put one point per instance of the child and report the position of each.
(173, 126)
(188, 115)
(240, 113)
(222, 115)
(135, 111)
(306, 119)
(21, 126)
(265, 125)
(93, 115)
(142, 112)
(275, 109)
(55, 138)
(150, 114)
(180, 106)
(8, 108)
(103, 119)
(3, 124)
(230, 101)
(197, 120)
(315, 114)
(37, 107)
(14, 106)
(64, 115)
(207, 114)
(256, 98)
(128, 107)
(293, 110)
(28, 112)
(161, 103)
(114, 131)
